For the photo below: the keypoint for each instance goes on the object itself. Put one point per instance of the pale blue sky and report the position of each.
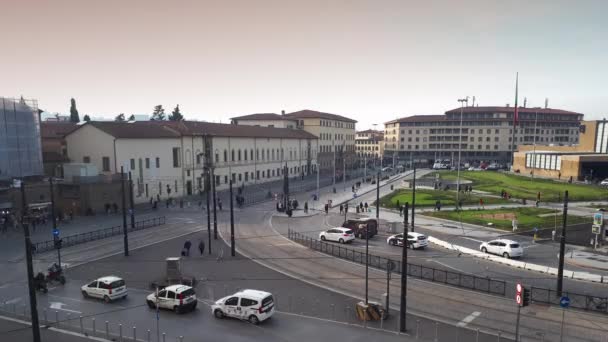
(370, 60)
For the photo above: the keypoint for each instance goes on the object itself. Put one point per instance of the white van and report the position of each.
(249, 305)
(107, 288)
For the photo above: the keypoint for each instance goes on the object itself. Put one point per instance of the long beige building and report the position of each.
(369, 143)
(336, 134)
(167, 159)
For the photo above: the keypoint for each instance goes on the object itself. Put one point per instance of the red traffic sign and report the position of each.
(518, 299)
(519, 288)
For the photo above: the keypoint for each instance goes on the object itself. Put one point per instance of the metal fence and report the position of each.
(577, 301)
(71, 240)
(471, 282)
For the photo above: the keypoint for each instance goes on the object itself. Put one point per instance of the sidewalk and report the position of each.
(587, 260)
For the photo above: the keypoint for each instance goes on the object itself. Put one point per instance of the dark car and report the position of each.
(361, 226)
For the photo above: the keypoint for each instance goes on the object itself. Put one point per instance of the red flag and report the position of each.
(515, 112)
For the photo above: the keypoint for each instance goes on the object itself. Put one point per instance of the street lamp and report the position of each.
(462, 102)
(534, 148)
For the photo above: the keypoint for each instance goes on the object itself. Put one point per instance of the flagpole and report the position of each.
(515, 114)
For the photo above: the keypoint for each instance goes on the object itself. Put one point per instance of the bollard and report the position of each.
(381, 323)
(436, 331)
(67, 319)
(148, 335)
(46, 321)
(94, 330)
(134, 334)
(81, 326)
(57, 317)
(107, 330)
(417, 328)
(164, 335)
(499, 336)
(476, 335)
(120, 332)
(24, 314)
(181, 338)
(14, 309)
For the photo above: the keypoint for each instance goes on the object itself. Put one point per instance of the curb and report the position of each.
(584, 276)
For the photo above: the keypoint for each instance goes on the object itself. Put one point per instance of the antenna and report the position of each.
(525, 101)
(546, 102)
(473, 101)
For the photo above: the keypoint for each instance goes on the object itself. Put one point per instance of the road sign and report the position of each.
(598, 219)
(564, 302)
(518, 299)
(55, 232)
(596, 229)
(518, 288)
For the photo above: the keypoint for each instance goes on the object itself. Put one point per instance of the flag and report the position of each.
(515, 112)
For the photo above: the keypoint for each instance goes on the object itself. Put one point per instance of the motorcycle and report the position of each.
(55, 274)
(40, 283)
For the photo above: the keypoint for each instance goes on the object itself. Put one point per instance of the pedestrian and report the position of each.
(436, 205)
(400, 211)
(460, 202)
(187, 246)
(219, 203)
(360, 206)
(346, 208)
(201, 246)
(538, 196)
(481, 203)
(366, 207)
(326, 208)
(167, 202)
(306, 207)
(559, 175)
(341, 209)
(537, 202)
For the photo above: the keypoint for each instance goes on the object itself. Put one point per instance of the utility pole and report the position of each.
(30, 267)
(124, 211)
(214, 206)
(344, 167)
(131, 202)
(232, 247)
(378, 195)
(414, 199)
(403, 306)
(54, 219)
(207, 189)
(562, 248)
(462, 102)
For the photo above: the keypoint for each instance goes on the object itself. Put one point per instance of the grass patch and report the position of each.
(525, 187)
(527, 218)
(427, 198)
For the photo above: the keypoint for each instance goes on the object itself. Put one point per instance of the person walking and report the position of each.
(201, 246)
(481, 203)
(219, 203)
(326, 208)
(366, 207)
(305, 207)
(341, 209)
(187, 246)
(400, 210)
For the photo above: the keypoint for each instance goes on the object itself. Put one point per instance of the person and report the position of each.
(537, 202)
(436, 205)
(306, 207)
(201, 246)
(366, 207)
(341, 209)
(400, 210)
(559, 175)
(326, 208)
(481, 203)
(346, 208)
(538, 196)
(360, 206)
(187, 246)
(219, 203)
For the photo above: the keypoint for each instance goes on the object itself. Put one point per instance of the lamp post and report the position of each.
(462, 102)
(214, 195)
(534, 148)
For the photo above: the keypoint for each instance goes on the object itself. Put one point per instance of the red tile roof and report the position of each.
(510, 110)
(56, 129)
(419, 118)
(262, 116)
(311, 114)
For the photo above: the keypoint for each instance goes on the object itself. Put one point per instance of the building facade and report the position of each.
(170, 159)
(369, 144)
(54, 146)
(486, 135)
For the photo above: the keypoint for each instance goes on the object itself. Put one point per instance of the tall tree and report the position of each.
(158, 114)
(132, 117)
(74, 117)
(176, 115)
(86, 118)
(120, 117)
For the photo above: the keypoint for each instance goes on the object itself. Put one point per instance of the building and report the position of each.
(20, 151)
(369, 144)
(486, 135)
(54, 146)
(167, 159)
(336, 135)
(588, 160)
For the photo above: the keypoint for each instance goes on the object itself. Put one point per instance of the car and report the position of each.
(107, 288)
(361, 226)
(179, 298)
(253, 306)
(503, 247)
(414, 240)
(604, 182)
(339, 234)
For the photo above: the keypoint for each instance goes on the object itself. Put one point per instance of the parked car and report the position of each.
(250, 305)
(503, 247)
(361, 226)
(107, 288)
(339, 234)
(604, 182)
(179, 298)
(414, 240)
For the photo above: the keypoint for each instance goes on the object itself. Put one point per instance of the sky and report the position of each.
(371, 60)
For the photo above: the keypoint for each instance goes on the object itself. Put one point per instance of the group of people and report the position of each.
(188, 245)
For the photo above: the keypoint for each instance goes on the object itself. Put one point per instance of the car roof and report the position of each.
(504, 240)
(342, 228)
(109, 279)
(177, 288)
(414, 234)
(363, 219)
(253, 294)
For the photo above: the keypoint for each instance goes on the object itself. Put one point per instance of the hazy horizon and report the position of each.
(372, 61)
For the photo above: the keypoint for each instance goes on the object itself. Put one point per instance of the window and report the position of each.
(132, 164)
(217, 180)
(176, 159)
(248, 302)
(106, 163)
(257, 174)
(240, 177)
(231, 155)
(239, 155)
(157, 162)
(234, 178)
(170, 294)
(217, 157)
(226, 179)
(225, 156)
(147, 163)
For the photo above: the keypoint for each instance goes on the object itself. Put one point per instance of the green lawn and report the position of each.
(526, 187)
(427, 198)
(527, 218)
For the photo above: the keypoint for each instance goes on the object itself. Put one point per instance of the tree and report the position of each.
(120, 117)
(158, 114)
(73, 111)
(176, 115)
(86, 118)
(132, 117)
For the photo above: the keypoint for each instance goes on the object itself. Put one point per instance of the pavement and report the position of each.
(17, 330)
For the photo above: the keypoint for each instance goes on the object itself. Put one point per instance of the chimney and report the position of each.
(508, 105)
(546, 102)
(282, 112)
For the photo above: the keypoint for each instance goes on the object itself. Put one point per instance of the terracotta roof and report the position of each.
(262, 116)
(371, 131)
(419, 118)
(175, 129)
(306, 113)
(510, 110)
(56, 129)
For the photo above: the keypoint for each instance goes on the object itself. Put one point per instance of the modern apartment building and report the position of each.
(369, 144)
(336, 134)
(486, 135)
(167, 159)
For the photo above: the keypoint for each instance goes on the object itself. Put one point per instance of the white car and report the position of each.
(339, 234)
(414, 240)
(107, 288)
(604, 182)
(503, 247)
(179, 298)
(250, 305)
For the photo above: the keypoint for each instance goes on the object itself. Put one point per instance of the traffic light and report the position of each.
(526, 297)
(58, 243)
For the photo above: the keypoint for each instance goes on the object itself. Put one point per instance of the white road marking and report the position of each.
(59, 306)
(476, 240)
(530, 246)
(468, 319)
(13, 301)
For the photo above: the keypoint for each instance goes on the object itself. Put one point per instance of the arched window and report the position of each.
(232, 154)
(272, 155)
(239, 155)
(263, 157)
(251, 154)
(225, 156)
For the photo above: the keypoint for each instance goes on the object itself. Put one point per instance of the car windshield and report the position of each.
(514, 245)
(421, 237)
(348, 232)
(268, 300)
(188, 292)
(117, 284)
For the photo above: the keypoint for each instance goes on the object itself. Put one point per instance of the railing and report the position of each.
(71, 240)
(577, 301)
(471, 282)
